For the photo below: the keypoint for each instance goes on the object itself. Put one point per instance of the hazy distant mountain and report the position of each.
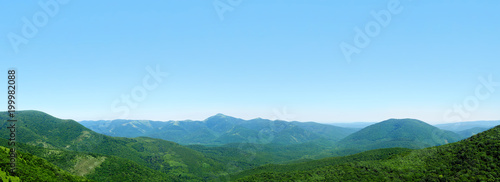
(407, 133)
(359, 125)
(460, 126)
(222, 129)
(335, 133)
(470, 132)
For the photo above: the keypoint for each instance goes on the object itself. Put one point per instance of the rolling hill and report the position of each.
(32, 168)
(371, 155)
(405, 133)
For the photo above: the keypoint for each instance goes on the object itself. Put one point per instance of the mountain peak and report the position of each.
(218, 115)
(403, 121)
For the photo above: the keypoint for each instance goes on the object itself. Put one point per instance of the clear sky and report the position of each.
(273, 59)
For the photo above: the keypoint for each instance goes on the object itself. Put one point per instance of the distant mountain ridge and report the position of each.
(461, 126)
(221, 129)
(470, 132)
(359, 125)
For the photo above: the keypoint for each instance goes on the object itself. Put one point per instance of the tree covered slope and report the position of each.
(32, 168)
(92, 166)
(371, 155)
(39, 129)
(473, 159)
(406, 133)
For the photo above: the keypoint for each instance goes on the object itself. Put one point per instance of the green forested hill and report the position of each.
(470, 132)
(92, 166)
(32, 168)
(473, 159)
(180, 163)
(406, 133)
(248, 155)
(371, 155)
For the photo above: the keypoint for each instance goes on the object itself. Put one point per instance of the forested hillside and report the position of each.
(32, 168)
(147, 154)
(406, 133)
(91, 165)
(473, 159)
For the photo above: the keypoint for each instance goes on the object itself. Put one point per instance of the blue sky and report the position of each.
(271, 59)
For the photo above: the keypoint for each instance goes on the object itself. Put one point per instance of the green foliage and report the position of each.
(43, 130)
(39, 129)
(334, 133)
(93, 166)
(249, 155)
(32, 168)
(473, 159)
(378, 154)
(117, 169)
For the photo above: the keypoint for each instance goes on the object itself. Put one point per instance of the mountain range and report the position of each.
(236, 149)
(154, 158)
(221, 129)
